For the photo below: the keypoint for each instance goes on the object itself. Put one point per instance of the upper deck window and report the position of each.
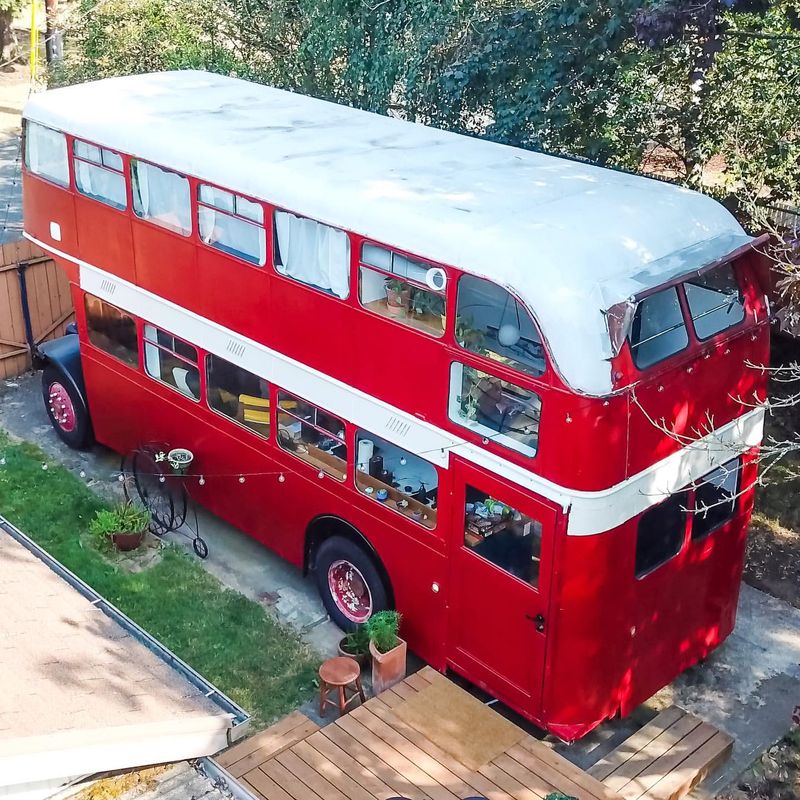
(161, 197)
(312, 253)
(232, 223)
(492, 323)
(658, 329)
(397, 287)
(46, 153)
(98, 174)
(715, 301)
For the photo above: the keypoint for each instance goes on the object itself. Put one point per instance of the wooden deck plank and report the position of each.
(417, 682)
(566, 768)
(288, 782)
(565, 781)
(434, 767)
(395, 759)
(478, 782)
(261, 785)
(404, 690)
(331, 772)
(357, 771)
(694, 769)
(668, 762)
(272, 747)
(508, 784)
(429, 673)
(633, 744)
(253, 743)
(309, 776)
(367, 758)
(530, 780)
(653, 750)
(389, 697)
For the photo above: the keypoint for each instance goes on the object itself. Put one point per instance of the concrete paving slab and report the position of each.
(748, 687)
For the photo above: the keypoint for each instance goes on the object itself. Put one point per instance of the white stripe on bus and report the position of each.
(589, 512)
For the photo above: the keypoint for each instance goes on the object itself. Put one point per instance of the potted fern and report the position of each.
(124, 526)
(387, 649)
(355, 645)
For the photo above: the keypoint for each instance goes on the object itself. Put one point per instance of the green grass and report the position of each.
(230, 640)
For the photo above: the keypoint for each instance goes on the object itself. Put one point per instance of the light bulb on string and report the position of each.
(120, 477)
(281, 478)
(82, 474)
(202, 481)
(44, 467)
(241, 479)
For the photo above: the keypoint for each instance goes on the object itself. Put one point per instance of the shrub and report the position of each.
(122, 518)
(383, 628)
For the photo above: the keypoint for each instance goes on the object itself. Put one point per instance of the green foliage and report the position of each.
(383, 628)
(357, 641)
(231, 640)
(122, 518)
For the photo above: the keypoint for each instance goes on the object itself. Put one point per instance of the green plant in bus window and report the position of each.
(426, 303)
(467, 335)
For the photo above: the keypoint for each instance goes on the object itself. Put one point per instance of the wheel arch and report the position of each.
(323, 527)
(64, 354)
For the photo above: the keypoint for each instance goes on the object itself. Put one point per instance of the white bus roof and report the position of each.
(571, 239)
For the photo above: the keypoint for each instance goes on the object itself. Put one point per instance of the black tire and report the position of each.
(338, 548)
(200, 547)
(79, 435)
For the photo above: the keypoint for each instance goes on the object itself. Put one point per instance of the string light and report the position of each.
(202, 481)
(2, 461)
(82, 474)
(321, 474)
(241, 479)
(44, 467)
(281, 478)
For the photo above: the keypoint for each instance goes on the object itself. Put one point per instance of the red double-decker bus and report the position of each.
(499, 391)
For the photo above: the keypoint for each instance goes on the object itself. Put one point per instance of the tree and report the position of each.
(8, 10)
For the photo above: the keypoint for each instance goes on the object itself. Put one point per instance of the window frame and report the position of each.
(46, 178)
(690, 336)
(136, 327)
(742, 296)
(363, 433)
(278, 390)
(146, 341)
(444, 294)
(685, 510)
(266, 224)
(206, 358)
(123, 172)
(734, 501)
(150, 220)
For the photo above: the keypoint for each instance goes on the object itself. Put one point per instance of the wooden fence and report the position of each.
(35, 304)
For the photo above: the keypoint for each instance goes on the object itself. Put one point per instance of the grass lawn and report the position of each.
(230, 640)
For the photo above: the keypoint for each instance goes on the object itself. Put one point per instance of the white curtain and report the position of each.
(46, 153)
(233, 235)
(101, 183)
(162, 197)
(313, 253)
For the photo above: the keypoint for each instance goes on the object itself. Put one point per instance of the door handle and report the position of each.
(538, 620)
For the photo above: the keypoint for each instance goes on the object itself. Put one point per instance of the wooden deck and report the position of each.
(372, 754)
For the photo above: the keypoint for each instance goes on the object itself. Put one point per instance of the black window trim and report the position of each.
(207, 356)
(734, 501)
(690, 332)
(685, 512)
(196, 365)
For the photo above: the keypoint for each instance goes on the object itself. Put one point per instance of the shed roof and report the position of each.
(82, 688)
(572, 239)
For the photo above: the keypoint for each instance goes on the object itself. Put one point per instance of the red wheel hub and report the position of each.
(61, 407)
(350, 591)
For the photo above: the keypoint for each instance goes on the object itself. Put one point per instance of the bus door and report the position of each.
(500, 565)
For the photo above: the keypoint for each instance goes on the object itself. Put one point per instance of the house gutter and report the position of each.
(240, 718)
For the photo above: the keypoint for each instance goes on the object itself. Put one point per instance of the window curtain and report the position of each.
(233, 235)
(101, 183)
(46, 153)
(313, 253)
(162, 197)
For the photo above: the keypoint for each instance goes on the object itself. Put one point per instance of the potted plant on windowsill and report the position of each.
(398, 297)
(124, 526)
(387, 649)
(355, 645)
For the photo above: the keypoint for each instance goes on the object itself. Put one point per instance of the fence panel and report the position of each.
(30, 280)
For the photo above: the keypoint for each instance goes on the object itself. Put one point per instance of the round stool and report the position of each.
(343, 675)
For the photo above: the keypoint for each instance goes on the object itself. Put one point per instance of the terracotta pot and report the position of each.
(360, 658)
(388, 668)
(397, 302)
(125, 542)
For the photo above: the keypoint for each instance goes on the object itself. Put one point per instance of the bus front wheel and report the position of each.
(349, 583)
(66, 408)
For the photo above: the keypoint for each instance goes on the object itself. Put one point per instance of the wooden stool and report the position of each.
(342, 674)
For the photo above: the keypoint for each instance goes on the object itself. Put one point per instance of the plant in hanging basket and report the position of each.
(124, 526)
(355, 645)
(180, 459)
(387, 649)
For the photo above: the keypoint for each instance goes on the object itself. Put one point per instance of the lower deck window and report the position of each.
(313, 435)
(503, 535)
(661, 533)
(238, 394)
(398, 479)
(171, 361)
(715, 499)
(495, 409)
(111, 330)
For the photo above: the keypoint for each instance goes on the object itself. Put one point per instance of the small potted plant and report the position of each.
(387, 649)
(398, 297)
(355, 645)
(124, 526)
